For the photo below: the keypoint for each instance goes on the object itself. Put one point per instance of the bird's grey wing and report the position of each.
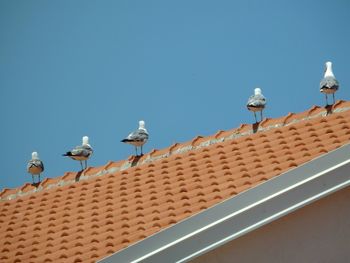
(143, 135)
(41, 165)
(250, 100)
(78, 151)
(29, 164)
(138, 135)
(329, 82)
(132, 135)
(262, 99)
(87, 150)
(36, 163)
(256, 100)
(87, 147)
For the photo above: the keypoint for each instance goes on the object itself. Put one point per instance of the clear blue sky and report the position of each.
(75, 68)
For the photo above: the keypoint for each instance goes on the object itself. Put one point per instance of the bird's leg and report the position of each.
(33, 178)
(136, 150)
(261, 115)
(82, 168)
(141, 151)
(255, 117)
(326, 99)
(85, 164)
(39, 178)
(333, 99)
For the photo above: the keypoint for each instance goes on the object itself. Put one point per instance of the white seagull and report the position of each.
(81, 153)
(137, 138)
(329, 84)
(35, 166)
(256, 103)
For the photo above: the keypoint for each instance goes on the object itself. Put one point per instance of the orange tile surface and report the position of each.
(82, 217)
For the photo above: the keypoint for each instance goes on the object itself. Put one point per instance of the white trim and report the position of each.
(264, 221)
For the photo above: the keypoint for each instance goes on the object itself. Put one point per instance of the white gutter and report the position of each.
(243, 213)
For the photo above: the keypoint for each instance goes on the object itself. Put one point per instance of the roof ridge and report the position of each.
(176, 148)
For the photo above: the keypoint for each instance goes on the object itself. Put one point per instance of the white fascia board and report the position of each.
(243, 213)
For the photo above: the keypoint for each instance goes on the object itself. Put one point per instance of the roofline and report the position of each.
(178, 148)
(243, 213)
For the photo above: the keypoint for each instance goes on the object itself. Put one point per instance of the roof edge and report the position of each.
(178, 148)
(243, 213)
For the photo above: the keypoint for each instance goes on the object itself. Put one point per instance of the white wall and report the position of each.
(319, 232)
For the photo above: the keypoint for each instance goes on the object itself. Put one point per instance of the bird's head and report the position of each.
(328, 65)
(257, 91)
(35, 155)
(85, 140)
(141, 124)
(328, 72)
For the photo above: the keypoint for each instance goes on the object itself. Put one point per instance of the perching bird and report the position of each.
(35, 166)
(329, 84)
(137, 138)
(81, 153)
(256, 103)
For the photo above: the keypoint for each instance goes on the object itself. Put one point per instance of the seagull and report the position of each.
(81, 153)
(329, 84)
(35, 166)
(137, 138)
(256, 103)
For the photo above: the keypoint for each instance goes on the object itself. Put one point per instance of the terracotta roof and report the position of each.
(82, 218)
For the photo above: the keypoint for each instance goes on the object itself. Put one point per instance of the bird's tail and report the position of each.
(67, 154)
